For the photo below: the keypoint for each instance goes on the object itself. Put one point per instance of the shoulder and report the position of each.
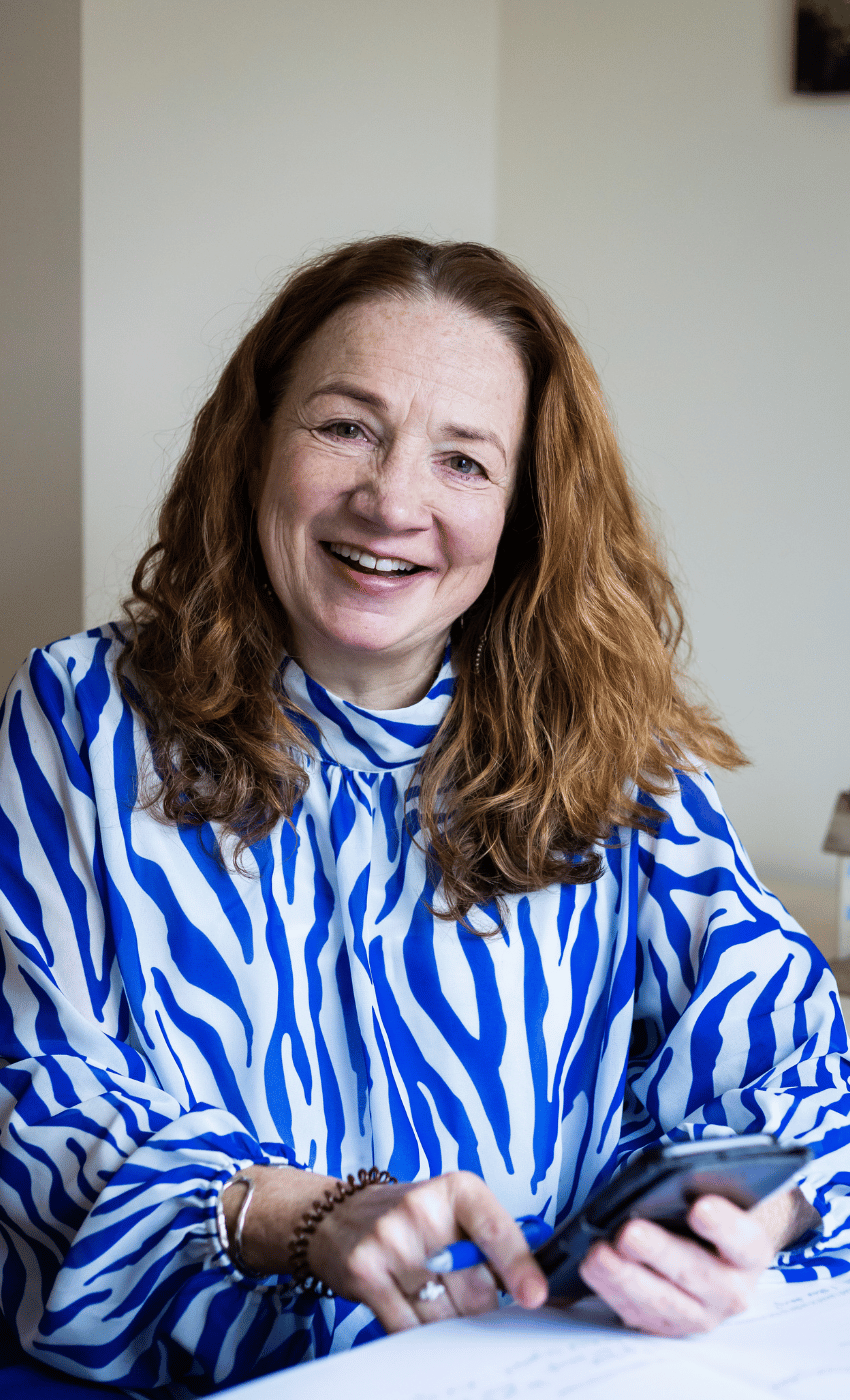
(68, 686)
(84, 653)
(690, 821)
(72, 658)
(694, 861)
(715, 945)
(696, 879)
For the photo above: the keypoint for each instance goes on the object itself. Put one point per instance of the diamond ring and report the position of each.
(431, 1291)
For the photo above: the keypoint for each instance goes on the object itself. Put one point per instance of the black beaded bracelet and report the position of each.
(299, 1269)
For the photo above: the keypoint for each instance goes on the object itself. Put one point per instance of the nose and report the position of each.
(393, 493)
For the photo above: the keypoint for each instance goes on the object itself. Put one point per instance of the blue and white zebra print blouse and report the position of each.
(167, 1020)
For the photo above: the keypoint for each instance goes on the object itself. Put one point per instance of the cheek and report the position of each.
(475, 533)
(292, 494)
(279, 514)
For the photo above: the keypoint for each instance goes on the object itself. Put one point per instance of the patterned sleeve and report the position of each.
(738, 1026)
(111, 1265)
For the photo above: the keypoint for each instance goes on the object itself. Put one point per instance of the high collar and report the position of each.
(366, 740)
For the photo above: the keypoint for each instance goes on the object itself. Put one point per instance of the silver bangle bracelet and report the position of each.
(234, 1250)
(301, 1283)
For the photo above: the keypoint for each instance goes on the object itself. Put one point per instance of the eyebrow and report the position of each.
(372, 400)
(347, 391)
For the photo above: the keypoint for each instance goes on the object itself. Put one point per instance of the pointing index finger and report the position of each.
(503, 1244)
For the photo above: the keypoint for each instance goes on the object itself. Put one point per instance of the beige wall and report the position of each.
(40, 552)
(222, 142)
(647, 160)
(693, 217)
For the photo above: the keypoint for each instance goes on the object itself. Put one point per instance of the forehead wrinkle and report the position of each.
(356, 340)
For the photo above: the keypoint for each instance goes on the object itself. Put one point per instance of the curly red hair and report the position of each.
(576, 703)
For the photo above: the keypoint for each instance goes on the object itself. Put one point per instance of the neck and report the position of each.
(372, 682)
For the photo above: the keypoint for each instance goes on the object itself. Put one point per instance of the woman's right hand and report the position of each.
(372, 1246)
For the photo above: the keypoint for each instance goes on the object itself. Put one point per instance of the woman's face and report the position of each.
(386, 475)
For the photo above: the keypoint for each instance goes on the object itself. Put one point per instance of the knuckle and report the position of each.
(478, 1294)
(488, 1232)
(425, 1207)
(362, 1262)
(680, 1320)
(667, 1327)
(401, 1324)
(471, 1192)
(641, 1240)
(632, 1234)
(599, 1263)
(738, 1299)
(760, 1256)
(607, 1262)
(630, 1313)
(385, 1227)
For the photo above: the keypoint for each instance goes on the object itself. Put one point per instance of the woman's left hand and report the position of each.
(661, 1283)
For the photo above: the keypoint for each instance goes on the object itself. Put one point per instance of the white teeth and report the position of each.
(371, 561)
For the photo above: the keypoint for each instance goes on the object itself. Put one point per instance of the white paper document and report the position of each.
(793, 1344)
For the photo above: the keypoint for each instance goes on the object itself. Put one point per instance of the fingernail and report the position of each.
(706, 1210)
(636, 1235)
(533, 1294)
(535, 1297)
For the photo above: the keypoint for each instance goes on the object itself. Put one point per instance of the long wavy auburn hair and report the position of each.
(573, 706)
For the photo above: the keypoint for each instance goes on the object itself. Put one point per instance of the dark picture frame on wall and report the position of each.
(822, 46)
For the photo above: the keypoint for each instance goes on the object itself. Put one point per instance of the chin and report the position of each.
(373, 647)
(376, 642)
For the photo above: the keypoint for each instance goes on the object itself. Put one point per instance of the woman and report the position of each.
(379, 837)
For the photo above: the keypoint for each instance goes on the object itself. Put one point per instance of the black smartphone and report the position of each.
(662, 1184)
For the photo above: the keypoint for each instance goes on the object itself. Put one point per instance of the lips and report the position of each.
(363, 561)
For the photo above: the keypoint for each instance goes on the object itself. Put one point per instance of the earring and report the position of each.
(476, 665)
(479, 650)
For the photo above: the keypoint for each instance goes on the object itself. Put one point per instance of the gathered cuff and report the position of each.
(282, 1284)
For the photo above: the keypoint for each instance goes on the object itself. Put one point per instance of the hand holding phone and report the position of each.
(662, 1185)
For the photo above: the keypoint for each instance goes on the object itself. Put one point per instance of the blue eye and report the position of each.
(466, 466)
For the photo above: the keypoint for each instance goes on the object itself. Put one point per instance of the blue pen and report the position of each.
(464, 1254)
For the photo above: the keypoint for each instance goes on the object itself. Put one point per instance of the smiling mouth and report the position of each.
(364, 562)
